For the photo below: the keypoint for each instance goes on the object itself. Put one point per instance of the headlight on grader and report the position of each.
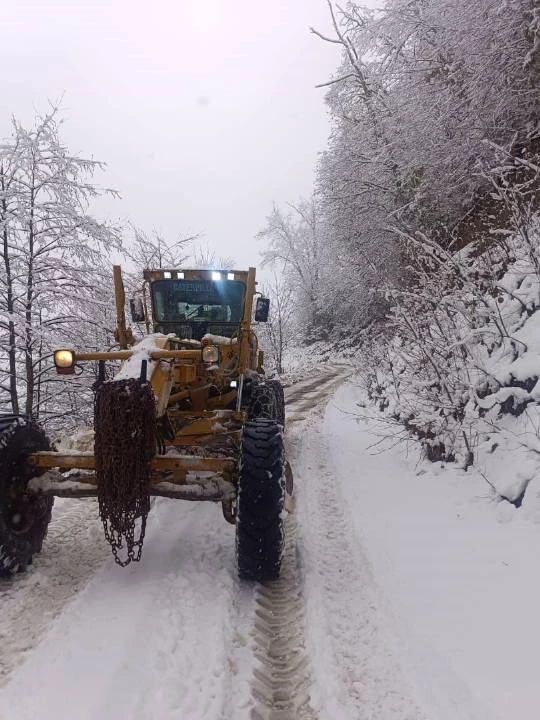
(210, 354)
(64, 361)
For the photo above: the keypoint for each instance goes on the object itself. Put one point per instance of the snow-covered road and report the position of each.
(348, 633)
(150, 641)
(176, 636)
(381, 612)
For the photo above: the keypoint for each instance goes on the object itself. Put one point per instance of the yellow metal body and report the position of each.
(197, 404)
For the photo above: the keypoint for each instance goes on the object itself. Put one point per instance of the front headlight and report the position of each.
(210, 354)
(64, 361)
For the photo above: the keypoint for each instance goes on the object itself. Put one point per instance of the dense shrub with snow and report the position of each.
(462, 364)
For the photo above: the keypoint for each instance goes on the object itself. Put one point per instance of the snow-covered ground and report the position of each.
(430, 553)
(148, 641)
(412, 596)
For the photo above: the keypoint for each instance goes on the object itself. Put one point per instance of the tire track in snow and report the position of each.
(315, 384)
(306, 396)
(282, 680)
(356, 675)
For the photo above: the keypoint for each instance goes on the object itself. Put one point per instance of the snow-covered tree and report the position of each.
(155, 251)
(422, 240)
(295, 242)
(423, 90)
(206, 257)
(52, 260)
(278, 333)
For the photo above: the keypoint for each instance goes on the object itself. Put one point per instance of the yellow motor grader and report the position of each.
(182, 412)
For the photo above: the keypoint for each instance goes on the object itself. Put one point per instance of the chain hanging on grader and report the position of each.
(189, 414)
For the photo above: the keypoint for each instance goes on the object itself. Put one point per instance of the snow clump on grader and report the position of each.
(188, 415)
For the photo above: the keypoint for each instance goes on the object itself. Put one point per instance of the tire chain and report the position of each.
(125, 443)
(279, 399)
(263, 402)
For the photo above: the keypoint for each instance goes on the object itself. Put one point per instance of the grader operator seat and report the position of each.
(191, 307)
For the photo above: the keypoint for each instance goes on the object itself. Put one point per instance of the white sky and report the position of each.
(204, 110)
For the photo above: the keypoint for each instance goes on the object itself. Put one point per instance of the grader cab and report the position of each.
(183, 412)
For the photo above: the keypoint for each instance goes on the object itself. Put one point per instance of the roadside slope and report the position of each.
(456, 566)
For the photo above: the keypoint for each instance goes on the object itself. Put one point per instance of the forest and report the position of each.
(419, 247)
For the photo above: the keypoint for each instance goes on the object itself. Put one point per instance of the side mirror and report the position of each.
(137, 309)
(262, 308)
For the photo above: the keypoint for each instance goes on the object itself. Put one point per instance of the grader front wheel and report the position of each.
(24, 518)
(261, 496)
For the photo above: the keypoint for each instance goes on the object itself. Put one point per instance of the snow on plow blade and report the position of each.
(183, 477)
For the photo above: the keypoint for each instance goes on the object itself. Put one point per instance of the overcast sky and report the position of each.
(205, 111)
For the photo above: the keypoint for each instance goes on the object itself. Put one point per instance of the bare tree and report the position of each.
(205, 257)
(277, 334)
(151, 252)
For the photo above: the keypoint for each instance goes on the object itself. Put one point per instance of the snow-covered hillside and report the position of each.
(453, 564)
(460, 372)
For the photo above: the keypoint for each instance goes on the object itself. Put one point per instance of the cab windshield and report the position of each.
(192, 308)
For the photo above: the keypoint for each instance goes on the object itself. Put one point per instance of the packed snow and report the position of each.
(219, 339)
(142, 351)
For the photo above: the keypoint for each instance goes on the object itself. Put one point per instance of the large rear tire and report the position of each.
(24, 517)
(260, 505)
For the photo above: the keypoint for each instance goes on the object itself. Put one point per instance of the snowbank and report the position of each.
(461, 371)
(456, 564)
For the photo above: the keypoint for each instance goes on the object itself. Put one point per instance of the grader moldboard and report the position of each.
(188, 414)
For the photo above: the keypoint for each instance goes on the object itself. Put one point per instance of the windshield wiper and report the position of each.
(194, 313)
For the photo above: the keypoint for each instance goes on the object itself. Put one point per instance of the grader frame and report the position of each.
(185, 416)
(177, 375)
